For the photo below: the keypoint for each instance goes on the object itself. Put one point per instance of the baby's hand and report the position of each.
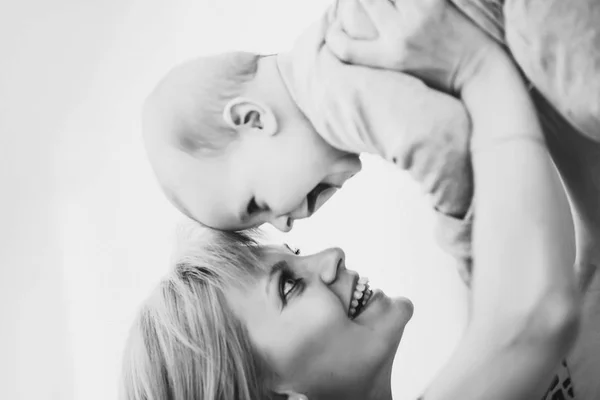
(430, 39)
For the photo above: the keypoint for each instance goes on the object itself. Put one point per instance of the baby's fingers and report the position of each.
(350, 50)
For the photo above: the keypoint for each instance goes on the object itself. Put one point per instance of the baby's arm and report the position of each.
(396, 116)
(442, 163)
(391, 114)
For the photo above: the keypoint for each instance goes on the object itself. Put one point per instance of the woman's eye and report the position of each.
(288, 286)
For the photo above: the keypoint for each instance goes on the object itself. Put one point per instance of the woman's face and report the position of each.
(300, 317)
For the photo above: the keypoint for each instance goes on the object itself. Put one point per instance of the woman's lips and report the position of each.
(376, 295)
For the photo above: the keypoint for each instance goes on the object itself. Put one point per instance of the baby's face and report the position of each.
(272, 178)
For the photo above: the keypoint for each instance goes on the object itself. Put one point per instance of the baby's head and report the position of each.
(231, 149)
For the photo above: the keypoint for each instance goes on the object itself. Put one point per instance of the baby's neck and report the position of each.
(269, 85)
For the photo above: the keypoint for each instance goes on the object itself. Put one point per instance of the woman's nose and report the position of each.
(283, 223)
(330, 262)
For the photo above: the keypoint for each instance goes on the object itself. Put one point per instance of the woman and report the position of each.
(237, 320)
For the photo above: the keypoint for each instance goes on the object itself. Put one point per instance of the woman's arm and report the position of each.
(525, 300)
(523, 224)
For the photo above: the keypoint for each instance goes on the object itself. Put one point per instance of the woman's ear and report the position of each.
(243, 114)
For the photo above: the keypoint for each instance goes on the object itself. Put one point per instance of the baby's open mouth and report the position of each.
(318, 196)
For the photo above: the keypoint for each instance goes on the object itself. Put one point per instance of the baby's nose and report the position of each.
(283, 223)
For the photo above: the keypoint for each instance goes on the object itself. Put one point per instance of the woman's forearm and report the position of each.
(523, 240)
(525, 309)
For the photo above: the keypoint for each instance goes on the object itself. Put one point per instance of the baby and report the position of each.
(238, 139)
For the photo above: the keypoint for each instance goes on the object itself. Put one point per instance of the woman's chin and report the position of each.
(399, 314)
(404, 306)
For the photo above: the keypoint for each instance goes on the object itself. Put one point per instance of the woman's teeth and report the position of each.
(360, 297)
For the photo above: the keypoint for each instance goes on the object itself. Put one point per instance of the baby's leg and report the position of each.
(557, 44)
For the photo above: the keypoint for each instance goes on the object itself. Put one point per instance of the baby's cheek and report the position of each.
(355, 20)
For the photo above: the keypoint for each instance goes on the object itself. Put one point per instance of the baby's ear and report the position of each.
(242, 114)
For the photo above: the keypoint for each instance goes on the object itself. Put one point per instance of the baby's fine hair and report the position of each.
(186, 343)
(186, 107)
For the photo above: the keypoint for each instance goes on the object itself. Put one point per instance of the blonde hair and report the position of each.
(185, 343)
(186, 107)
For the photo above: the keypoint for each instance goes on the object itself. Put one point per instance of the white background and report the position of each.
(84, 230)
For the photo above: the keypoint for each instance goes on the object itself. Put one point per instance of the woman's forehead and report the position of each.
(272, 254)
(274, 248)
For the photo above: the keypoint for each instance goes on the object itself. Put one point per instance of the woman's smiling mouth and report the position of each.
(360, 297)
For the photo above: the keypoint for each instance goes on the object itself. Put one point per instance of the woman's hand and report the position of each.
(430, 39)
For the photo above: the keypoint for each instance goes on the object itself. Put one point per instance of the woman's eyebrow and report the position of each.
(290, 249)
(275, 270)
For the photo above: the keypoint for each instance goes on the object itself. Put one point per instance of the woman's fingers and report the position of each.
(426, 38)
(350, 50)
(381, 13)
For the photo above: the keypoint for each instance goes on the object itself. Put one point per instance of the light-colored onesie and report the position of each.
(394, 115)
